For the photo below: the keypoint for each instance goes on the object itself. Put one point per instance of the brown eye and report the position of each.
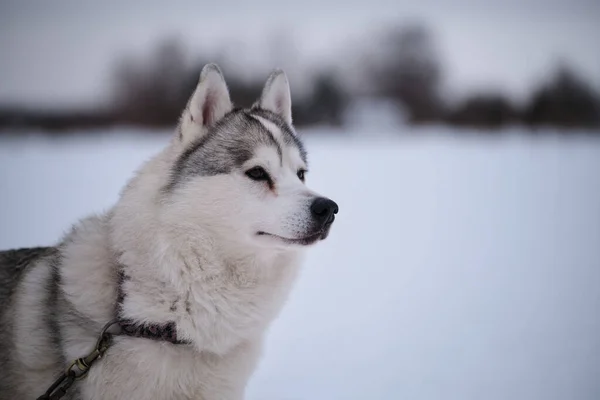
(258, 174)
(301, 174)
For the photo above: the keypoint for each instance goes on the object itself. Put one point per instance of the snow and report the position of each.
(460, 267)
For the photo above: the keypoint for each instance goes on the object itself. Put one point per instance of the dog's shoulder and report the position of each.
(20, 258)
(14, 262)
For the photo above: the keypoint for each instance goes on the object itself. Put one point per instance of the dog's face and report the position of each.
(242, 173)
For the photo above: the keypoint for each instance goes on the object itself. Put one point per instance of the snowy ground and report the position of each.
(457, 269)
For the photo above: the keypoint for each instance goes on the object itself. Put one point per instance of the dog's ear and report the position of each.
(276, 96)
(209, 103)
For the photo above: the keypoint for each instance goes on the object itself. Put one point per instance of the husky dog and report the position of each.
(194, 261)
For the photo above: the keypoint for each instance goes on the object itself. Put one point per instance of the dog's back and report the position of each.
(14, 265)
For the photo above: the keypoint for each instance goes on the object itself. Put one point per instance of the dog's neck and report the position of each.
(205, 290)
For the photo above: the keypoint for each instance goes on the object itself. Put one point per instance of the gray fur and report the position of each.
(229, 144)
(14, 265)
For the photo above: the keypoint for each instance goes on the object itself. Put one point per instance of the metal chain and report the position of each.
(79, 368)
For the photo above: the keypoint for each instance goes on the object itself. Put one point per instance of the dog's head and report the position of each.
(240, 173)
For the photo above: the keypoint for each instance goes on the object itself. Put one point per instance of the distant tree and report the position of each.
(325, 105)
(483, 111)
(409, 72)
(565, 101)
(153, 91)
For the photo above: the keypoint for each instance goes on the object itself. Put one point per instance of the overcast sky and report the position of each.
(62, 52)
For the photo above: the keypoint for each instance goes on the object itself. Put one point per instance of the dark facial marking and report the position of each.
(289, 137)
(189, 161)
(228, 145)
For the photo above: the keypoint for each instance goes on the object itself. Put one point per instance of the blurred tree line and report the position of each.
(408, 73)
(154, 93)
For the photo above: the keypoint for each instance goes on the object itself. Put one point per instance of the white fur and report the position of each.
(208, 104)
(199, 250)
(37, 360)
(276, 95)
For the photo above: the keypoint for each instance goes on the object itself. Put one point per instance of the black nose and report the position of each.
(323, 209)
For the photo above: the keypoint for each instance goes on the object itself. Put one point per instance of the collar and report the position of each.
(162, 332)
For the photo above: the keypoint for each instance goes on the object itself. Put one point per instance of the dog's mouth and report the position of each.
(304, 241)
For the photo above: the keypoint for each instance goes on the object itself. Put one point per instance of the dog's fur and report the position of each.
(200, 240)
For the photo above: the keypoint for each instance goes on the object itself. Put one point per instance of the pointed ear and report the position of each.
(276, 96)
(209, 103)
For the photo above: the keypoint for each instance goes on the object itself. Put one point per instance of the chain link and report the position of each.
(79, 368)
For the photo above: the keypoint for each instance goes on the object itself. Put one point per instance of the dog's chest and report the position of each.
(237, 304)
(145, 369)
